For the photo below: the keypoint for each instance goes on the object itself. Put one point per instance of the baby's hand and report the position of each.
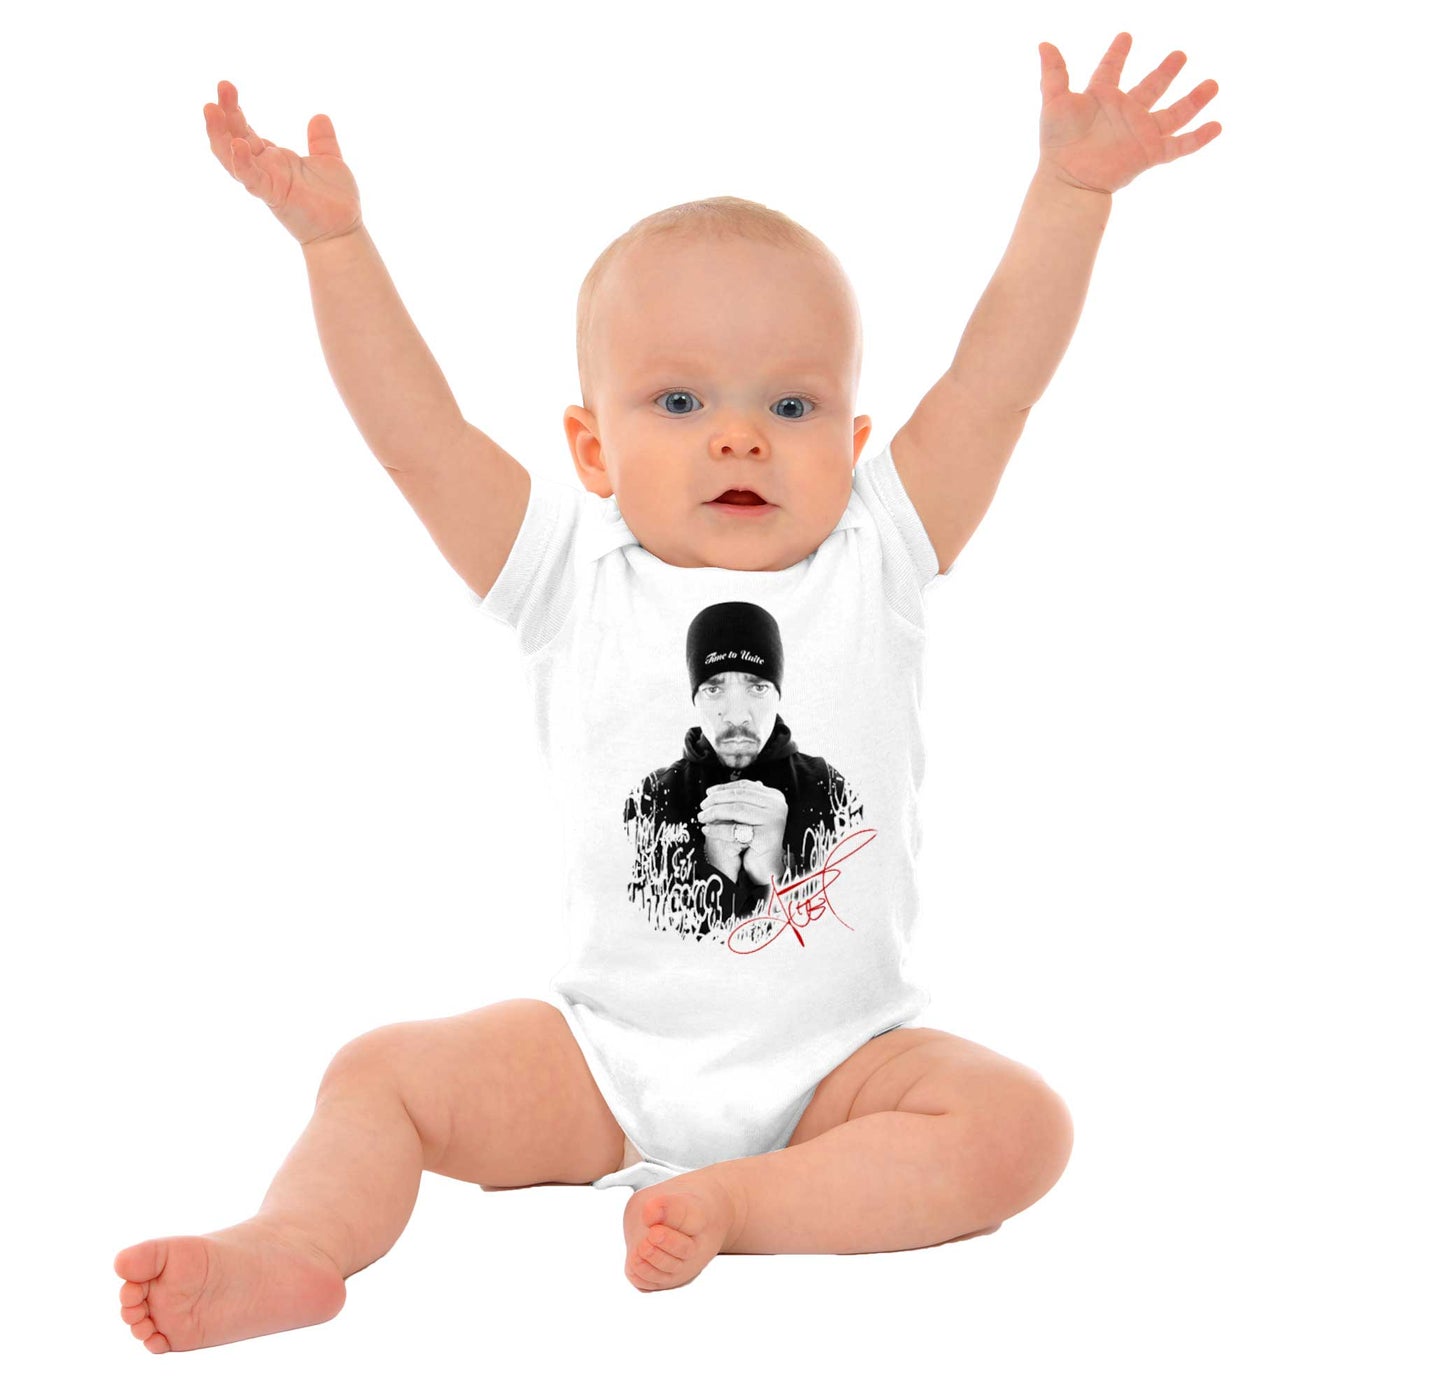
(1102, 138)
(313, 198)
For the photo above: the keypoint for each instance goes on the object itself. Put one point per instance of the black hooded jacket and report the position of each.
(671, 875)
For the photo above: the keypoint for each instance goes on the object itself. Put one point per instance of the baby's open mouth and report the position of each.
(739, 498)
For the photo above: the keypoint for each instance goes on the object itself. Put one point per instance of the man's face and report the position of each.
(722, 365)
(738, 711)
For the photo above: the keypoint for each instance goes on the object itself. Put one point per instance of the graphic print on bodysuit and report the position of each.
(770, 814)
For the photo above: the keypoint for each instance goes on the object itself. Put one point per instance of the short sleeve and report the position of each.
(909, 561)
(533, 593)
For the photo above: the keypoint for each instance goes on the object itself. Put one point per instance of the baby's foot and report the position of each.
(192, 1292)
(674, 1228)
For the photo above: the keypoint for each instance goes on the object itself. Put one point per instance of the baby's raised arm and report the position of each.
(952, 451)
(468, 492)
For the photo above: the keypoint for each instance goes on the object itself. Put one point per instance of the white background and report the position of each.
(267, 772)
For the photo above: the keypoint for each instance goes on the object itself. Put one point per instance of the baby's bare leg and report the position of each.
(499, 1096)
(918, 1137)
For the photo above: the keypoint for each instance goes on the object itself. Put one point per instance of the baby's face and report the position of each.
(722, 365)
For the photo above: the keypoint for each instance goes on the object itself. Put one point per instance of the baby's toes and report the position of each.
(665, 1247)
(663, 1259)
(143, 1328)
(657, 1264)
(150, 1337)
(135, 1309)
(139, 1264)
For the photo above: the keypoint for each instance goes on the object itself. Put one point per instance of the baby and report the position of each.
(731, 1035)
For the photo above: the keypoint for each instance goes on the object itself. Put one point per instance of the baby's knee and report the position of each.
(377, 1057)
(1050, 1139)
(403, 1067)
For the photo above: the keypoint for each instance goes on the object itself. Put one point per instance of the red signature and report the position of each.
(812, 905)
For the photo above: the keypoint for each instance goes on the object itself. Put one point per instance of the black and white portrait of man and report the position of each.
(742, 806)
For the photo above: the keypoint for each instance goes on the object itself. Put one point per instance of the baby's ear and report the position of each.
(586, 448)
(862, 427)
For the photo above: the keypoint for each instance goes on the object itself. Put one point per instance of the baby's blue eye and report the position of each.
(802, 401)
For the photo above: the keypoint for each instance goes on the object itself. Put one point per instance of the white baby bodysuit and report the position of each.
(709, 1006)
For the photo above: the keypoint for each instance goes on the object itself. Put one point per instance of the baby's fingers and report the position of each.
(255, 176)
(321, 137)
(218, 132)
(225, 122)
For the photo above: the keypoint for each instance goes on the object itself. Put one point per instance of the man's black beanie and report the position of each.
(734, 635)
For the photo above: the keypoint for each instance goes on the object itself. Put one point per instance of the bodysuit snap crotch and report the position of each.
(636, 1171)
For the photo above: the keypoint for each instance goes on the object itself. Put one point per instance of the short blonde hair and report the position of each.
(718, 217)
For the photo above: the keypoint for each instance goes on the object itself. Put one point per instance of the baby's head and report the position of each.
(719, 346)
